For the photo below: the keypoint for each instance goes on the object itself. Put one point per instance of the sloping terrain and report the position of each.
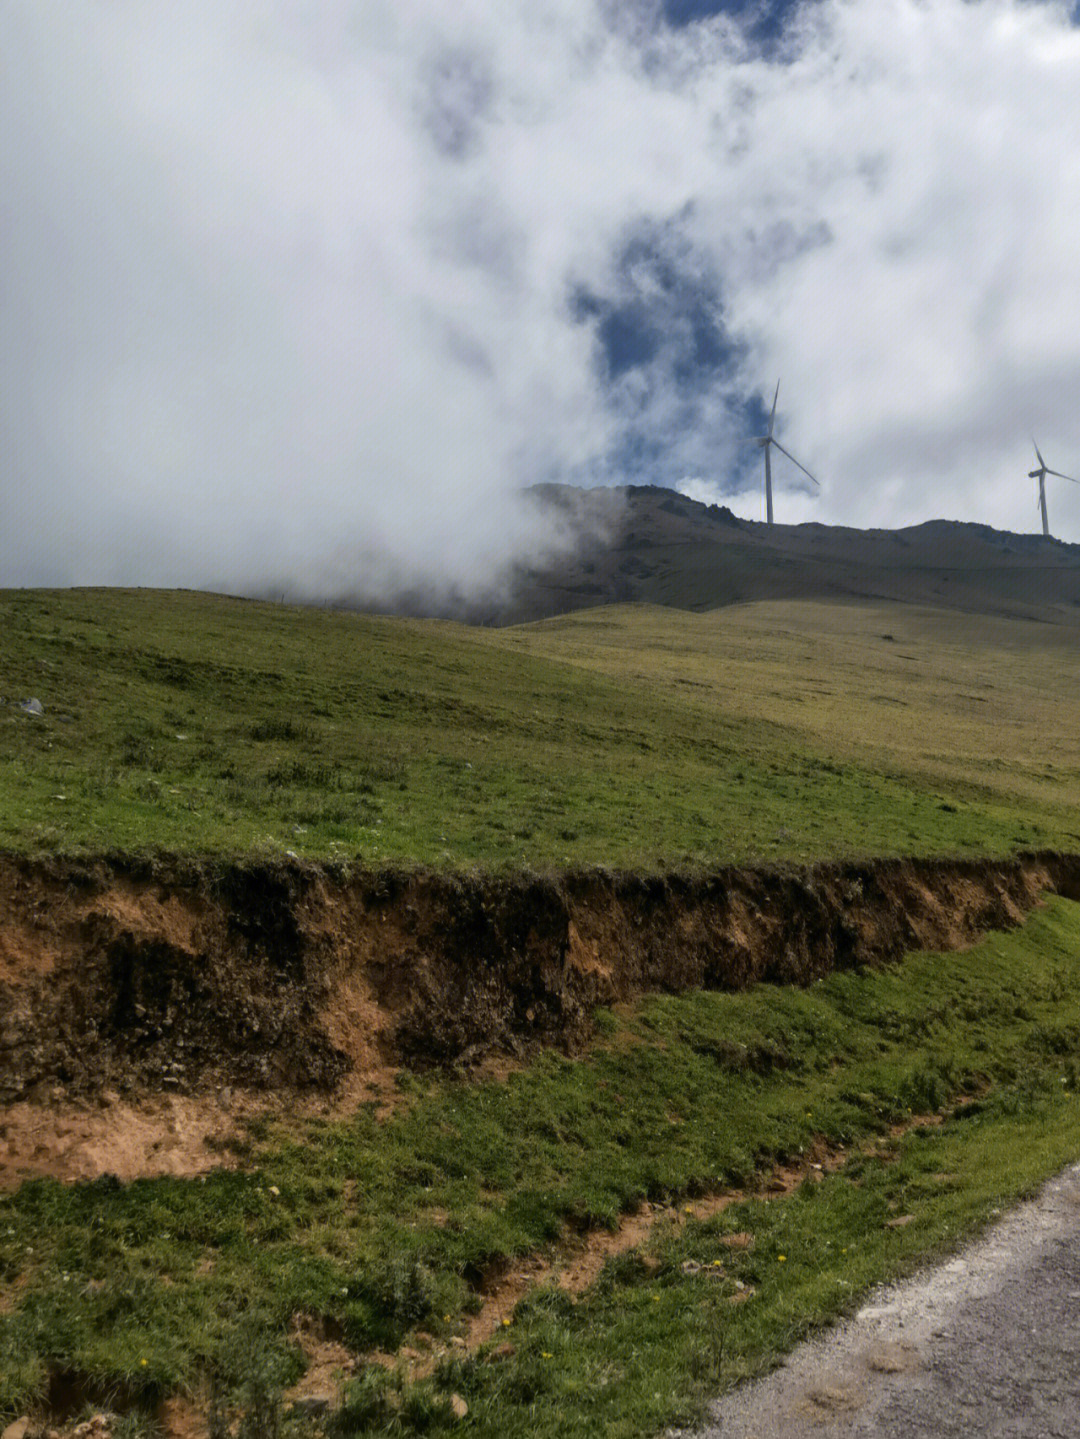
(644, 544)
(622, 1232)
(633, 736)
(404, 968)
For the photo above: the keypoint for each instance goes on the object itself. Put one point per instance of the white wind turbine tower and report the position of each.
(766, 443)
(1040, 474)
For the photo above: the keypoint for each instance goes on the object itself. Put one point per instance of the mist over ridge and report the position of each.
(643, 544)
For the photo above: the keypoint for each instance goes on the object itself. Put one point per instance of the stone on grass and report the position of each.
(311, 1405)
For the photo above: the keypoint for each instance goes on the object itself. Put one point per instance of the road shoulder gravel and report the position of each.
(986, 1344)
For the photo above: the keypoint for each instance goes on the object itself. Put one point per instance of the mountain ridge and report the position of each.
(650, 545)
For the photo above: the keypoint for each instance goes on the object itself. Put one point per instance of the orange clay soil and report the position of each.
(148, 1007)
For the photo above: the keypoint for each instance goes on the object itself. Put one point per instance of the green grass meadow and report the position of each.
(640, 737)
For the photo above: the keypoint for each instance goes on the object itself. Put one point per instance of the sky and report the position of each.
(302, 294)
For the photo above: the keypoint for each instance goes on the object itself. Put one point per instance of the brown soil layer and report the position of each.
(192, 991)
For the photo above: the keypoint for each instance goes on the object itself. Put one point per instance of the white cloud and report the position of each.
(933, 331)
(288, 286)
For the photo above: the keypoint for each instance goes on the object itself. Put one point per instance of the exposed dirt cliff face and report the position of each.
(135, 977)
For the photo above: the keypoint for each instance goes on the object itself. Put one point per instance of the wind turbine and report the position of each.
(766, 442)
(1040, 474)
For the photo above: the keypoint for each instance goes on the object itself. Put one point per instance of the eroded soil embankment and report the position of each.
(123, 976)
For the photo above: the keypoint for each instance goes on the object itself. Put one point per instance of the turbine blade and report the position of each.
(1041, 460)
(1063, 477)
(772, 417)
(795, 462)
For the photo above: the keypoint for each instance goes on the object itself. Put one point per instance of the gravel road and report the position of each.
(986, 1345)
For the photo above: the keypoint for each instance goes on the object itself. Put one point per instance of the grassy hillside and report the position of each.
(625, 736)
(629, 736)
(390, 1234)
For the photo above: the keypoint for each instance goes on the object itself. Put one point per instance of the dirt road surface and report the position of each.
(987, 1344)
